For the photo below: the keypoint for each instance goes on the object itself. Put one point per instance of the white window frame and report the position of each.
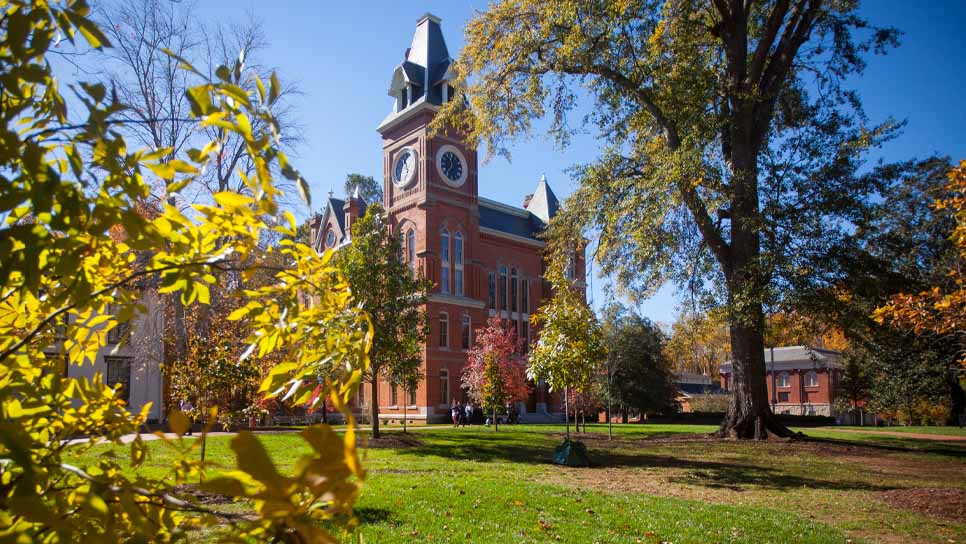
(784, 380)
(458, 262)
(444, 262)
(411, 249)
(443, 386)
(466, 332)
(443, 330)
(808, 378)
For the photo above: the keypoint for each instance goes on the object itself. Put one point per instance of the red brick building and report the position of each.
(484, 257)
(801, 379)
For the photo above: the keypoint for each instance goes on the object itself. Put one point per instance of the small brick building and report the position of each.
(801, 379)
(484, 257)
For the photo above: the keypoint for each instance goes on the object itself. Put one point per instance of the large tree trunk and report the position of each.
(749, 414)
(374, 405)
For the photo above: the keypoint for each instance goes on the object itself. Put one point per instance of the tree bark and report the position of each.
(374, 404)
(749, 414)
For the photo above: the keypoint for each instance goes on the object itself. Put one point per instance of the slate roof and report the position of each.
(797, 357)
(522, 223)
(337, 206)
(544, 203)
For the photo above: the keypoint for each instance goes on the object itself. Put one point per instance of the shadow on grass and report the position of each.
(709, 473)
(898, 445)
(372, 516)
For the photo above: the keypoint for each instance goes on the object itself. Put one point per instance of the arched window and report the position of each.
(466, 336)
(458, 262)
(443, 386)
(330, 238)
(811, 379)
(444, 262)
(443, 330)
(783, 380)
(411, 249)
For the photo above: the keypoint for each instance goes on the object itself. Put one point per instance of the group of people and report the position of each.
(468, 414)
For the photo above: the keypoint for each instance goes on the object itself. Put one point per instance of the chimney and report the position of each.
(353, 206)
(527, 199)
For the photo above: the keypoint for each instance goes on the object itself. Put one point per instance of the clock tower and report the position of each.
(430, 182)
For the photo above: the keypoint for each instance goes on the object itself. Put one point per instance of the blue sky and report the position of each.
(342, 55)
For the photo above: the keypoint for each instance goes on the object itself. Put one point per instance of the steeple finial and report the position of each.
(331, 192)
(543, 177)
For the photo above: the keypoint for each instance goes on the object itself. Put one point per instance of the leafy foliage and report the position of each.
(941, 309)
(638, 371)
(494, 375)
(68, 186)
(370, 190)
(394, 299)
(733, 150)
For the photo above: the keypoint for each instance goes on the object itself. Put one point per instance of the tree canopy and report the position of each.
(733, 151)
(370, 190)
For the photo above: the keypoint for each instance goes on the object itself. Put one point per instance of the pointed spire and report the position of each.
(543, 203)
(355, 194)
(331, 192)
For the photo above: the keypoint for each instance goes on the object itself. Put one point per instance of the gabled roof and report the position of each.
(797, 358)
(337, 207)
(544, 203)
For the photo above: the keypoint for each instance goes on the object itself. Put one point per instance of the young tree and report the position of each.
(855, 382)
(641, 376)
(386, 289)
(370, 190)
(66, 282)
(569, 348)
(495, 375)
(732, 145)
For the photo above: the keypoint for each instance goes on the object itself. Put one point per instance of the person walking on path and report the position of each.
(455, 412)
(186, 408)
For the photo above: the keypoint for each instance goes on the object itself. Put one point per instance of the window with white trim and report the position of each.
(458, 262)
(443, 330)
(503, 292)
(443, 386)
(411, 249)
(444, 262)
(412, 395)
(491, 290)
(783, 380)
(811, 379)
(393, 396)
(525, 296)
(513, 289)
(466, 335)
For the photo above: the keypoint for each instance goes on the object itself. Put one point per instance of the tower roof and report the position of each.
(418, 80)
(543, 203)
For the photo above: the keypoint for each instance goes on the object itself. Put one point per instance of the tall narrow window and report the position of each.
(443, 330)
(458, 262)
(444, 262)
(361, 395)
(525, 296)
(412, 396)
(571, 270)
(444, 386)
(503, 292)
(526, 336)
(411, 249)
(119, 375)
(513, 289)
(491, 290)
(393, 396)
(465, 334)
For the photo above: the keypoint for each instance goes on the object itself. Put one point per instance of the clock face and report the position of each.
(451, 165)
(405, 168)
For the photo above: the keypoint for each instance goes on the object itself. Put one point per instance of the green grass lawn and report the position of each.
(653, 483)
(917, 429)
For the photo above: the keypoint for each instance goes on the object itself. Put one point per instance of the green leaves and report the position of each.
(79, 258)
